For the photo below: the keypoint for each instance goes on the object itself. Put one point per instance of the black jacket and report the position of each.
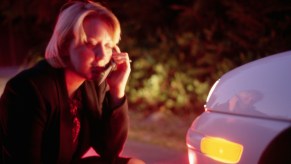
(35, 125)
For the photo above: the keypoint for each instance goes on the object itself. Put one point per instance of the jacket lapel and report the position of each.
(92, 99)
(66, 140)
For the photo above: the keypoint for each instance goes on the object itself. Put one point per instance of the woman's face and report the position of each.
(88, 59)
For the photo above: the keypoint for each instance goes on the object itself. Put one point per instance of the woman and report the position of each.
(55, 111)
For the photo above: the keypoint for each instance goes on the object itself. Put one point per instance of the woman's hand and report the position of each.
(117, 79)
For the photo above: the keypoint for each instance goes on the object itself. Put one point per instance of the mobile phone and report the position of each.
(111, 66)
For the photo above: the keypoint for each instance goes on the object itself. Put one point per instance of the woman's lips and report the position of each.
(97, 69)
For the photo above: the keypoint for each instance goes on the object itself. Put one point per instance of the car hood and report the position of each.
(261, 88)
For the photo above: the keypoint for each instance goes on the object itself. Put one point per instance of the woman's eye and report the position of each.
(89, 44)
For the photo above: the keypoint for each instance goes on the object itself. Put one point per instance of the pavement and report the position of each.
(154, 154)
(5, 74)
(149, 153)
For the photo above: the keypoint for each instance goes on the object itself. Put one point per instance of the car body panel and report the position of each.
(260, 88)
(249, 105)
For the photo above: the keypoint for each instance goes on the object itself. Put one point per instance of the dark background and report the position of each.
(179, 48)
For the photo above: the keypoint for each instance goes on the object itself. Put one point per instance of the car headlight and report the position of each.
(221, 150)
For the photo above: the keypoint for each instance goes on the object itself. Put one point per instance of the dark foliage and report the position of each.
(179, 48)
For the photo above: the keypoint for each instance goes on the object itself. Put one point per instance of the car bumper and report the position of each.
(254, 134)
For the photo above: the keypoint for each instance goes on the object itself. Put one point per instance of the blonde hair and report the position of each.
(70, 26)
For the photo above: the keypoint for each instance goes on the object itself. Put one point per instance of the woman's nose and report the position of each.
(99, 53)
(100, 56)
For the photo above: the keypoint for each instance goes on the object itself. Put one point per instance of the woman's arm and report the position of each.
(114, 129)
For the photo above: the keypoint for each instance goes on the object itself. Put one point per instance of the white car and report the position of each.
(247, 117)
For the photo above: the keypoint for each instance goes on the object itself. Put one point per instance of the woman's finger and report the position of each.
(116, 49)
